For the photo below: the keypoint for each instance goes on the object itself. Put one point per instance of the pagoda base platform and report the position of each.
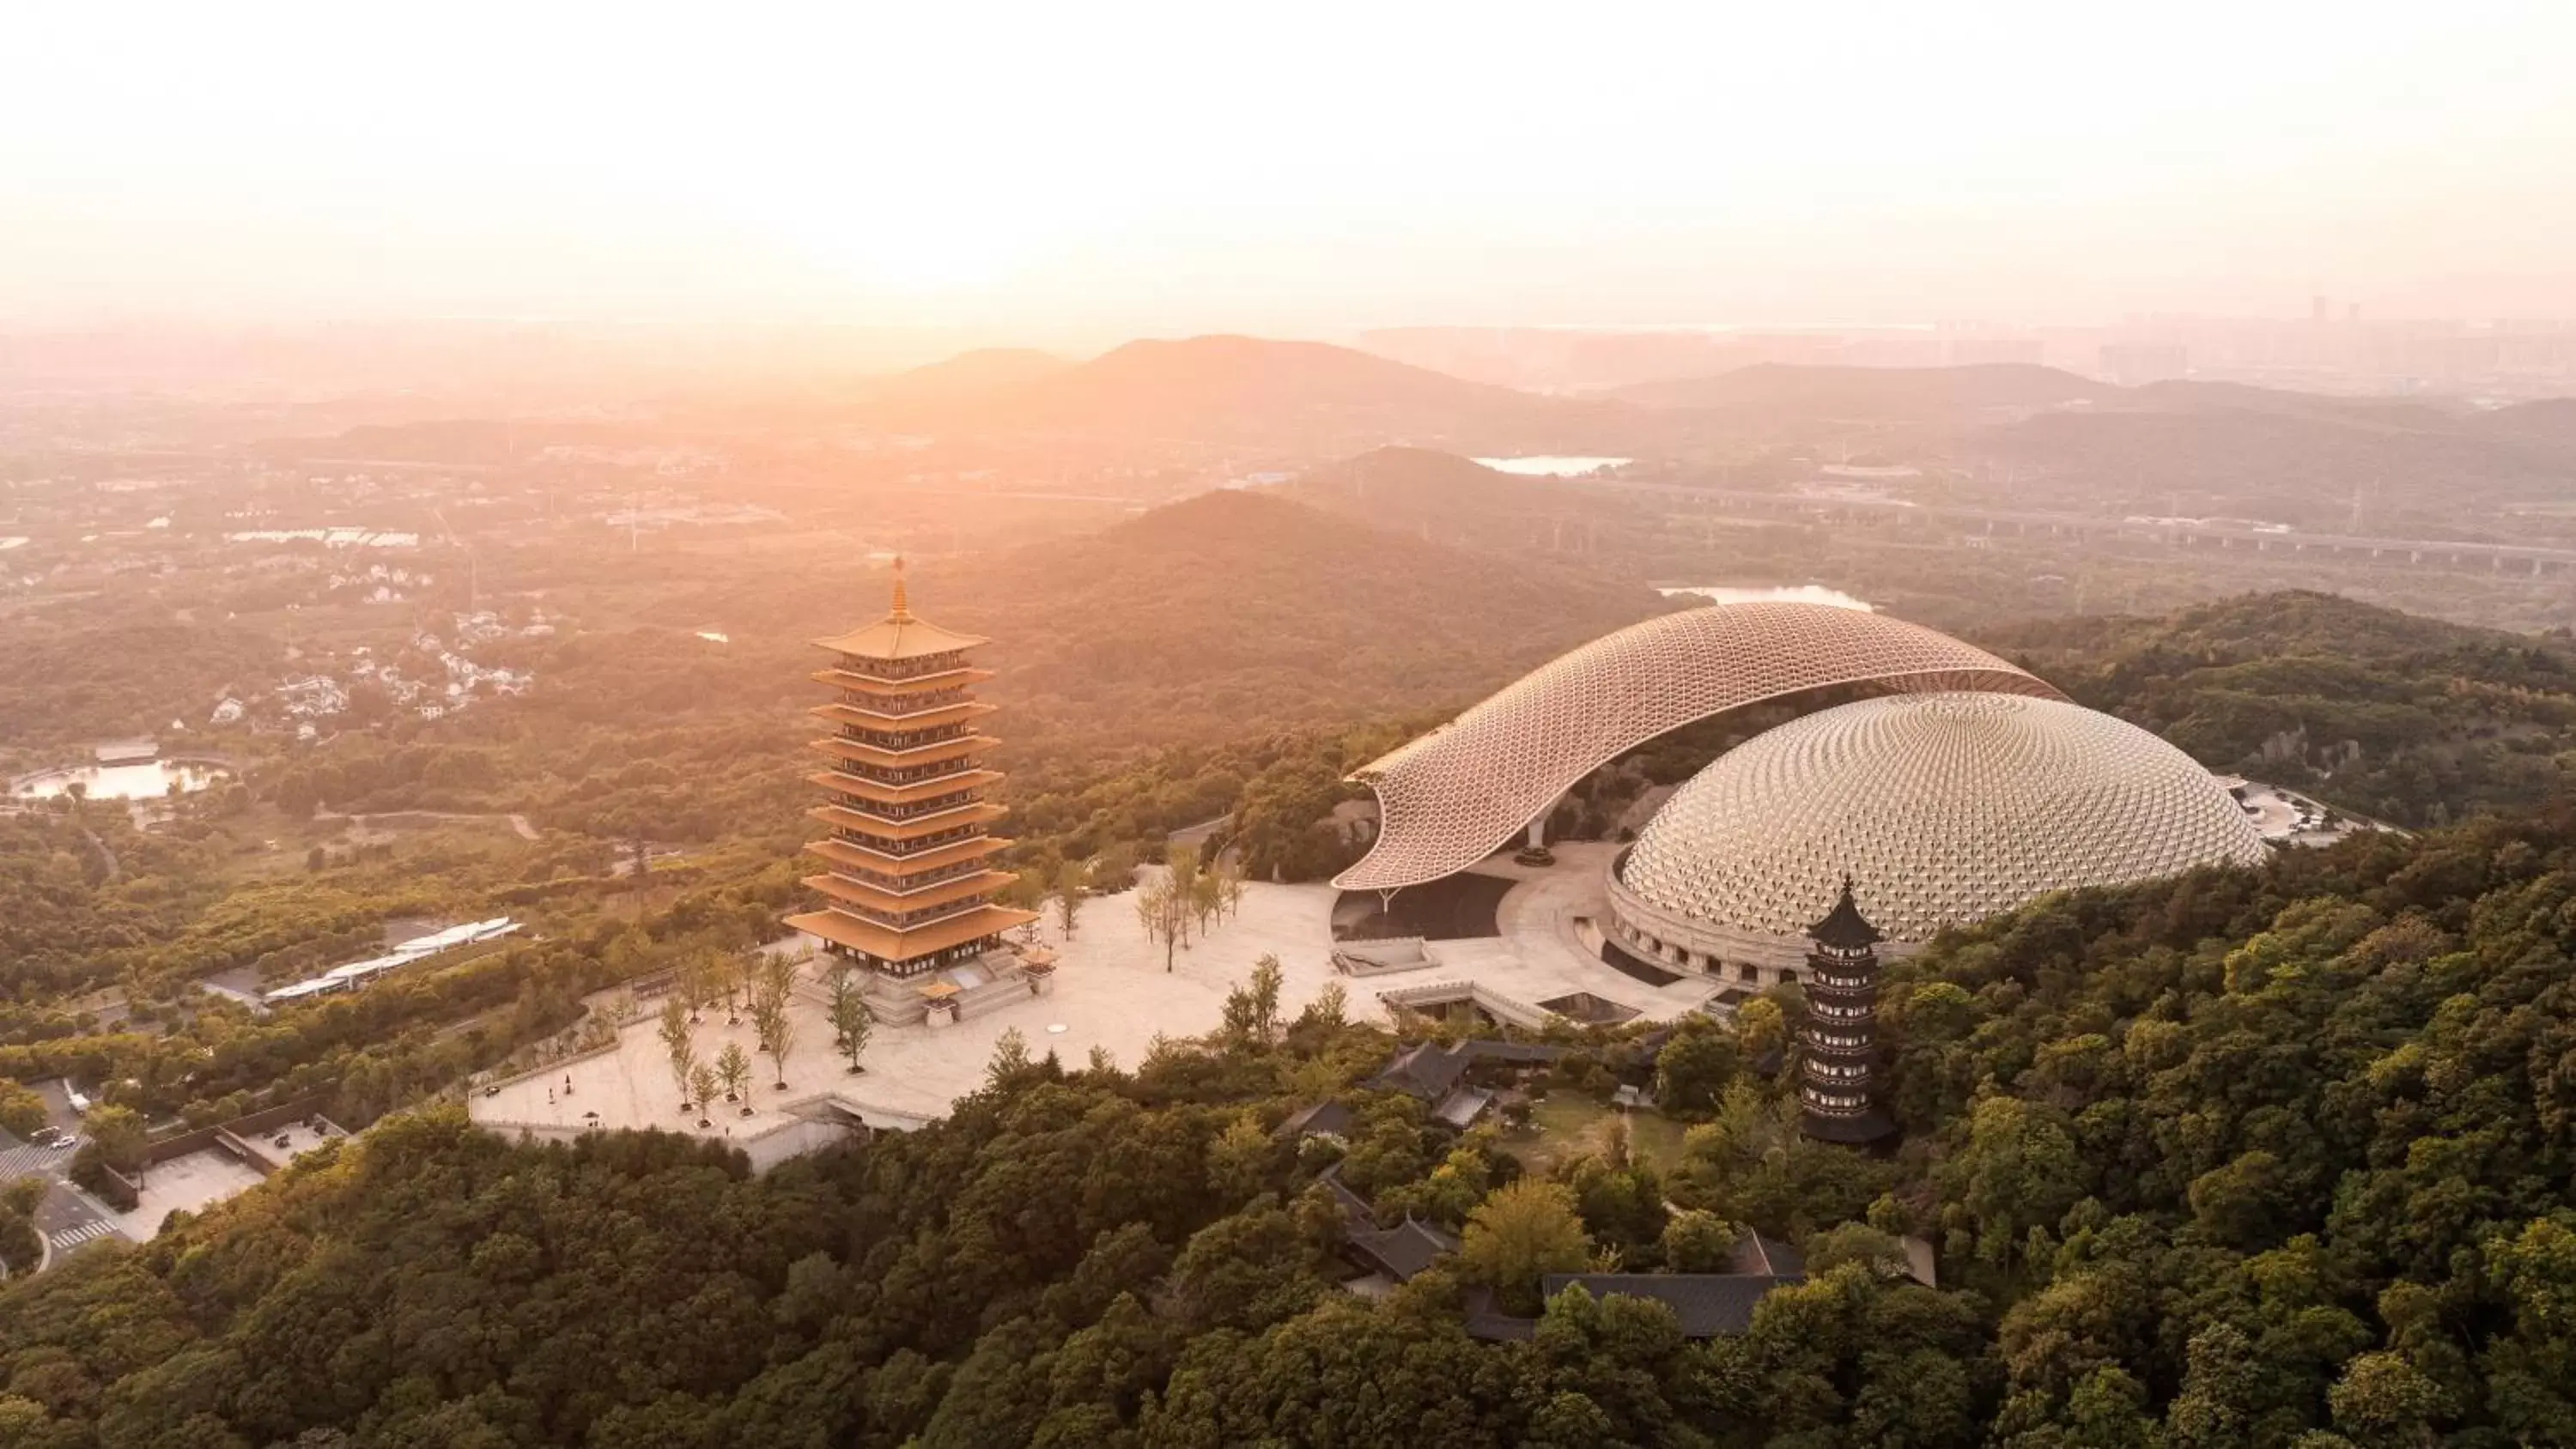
(972, 987)
(1871, 1126)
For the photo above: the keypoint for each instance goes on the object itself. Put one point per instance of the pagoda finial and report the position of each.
(902, 611)
(1844, 926)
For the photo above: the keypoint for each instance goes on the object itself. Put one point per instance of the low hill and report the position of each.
(1233, 613)
(1220, 617)
(1301, 394)
(1450, 499)
(1872, 392)
(2409, 719)
(966, 375)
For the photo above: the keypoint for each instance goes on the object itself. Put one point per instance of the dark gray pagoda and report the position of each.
(1839, 1072)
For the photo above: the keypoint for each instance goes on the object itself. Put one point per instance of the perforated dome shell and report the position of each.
(1944, 808)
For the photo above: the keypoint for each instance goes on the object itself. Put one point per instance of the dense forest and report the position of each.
(2409, 719)
(2260, 1158)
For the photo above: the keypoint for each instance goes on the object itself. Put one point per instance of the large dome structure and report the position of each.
(1943, 808)
(1447, 799)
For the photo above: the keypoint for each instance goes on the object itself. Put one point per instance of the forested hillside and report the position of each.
(2245, 1159)
(2410, 719)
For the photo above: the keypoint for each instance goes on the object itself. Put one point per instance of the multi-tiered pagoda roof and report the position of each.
(909, 879)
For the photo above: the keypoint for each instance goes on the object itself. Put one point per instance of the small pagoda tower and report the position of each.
(1839, 1071)
(910, 880)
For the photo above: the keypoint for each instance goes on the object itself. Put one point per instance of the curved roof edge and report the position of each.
(1446, 799)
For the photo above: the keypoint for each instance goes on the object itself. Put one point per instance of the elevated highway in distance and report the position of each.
(2533, 560)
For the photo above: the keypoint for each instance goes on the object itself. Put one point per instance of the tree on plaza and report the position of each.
(775, 976)
(1072, 880)
(1229, 881)
(729, 984)
(733, 1065)
(683, 1052)
(1165, 907)
(702, 1082)
(851, 1020)
(1208, 893)
(771, 997)
(697, 976)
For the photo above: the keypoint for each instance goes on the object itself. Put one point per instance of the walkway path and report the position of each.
(518, 823)
(115, 867)
(88, 1232)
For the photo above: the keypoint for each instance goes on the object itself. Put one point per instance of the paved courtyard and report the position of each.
(1111, 992)
(195, 1182)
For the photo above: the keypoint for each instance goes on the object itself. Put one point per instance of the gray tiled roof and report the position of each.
(1708, 1304)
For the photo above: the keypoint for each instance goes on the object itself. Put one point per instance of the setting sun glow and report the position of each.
(1170, 165)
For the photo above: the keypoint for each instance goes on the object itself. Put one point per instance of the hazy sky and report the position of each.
(1102, 167)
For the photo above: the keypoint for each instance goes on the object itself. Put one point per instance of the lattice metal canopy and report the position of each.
(1945, 809)
(1447, 799)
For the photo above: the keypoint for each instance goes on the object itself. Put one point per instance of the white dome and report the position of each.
(1944, 808)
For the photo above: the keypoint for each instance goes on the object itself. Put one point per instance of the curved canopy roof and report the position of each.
(1447, 799)
(1944, 809)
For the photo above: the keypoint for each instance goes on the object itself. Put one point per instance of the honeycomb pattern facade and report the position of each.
(1944, 809)
(1447, 799)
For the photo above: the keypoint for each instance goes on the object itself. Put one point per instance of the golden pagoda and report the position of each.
(911, 876)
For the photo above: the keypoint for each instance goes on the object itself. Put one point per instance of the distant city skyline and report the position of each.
(1056, 174)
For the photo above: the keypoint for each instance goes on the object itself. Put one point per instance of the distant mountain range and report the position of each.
(1244, 389)
(2007, 434)
(1878, 393)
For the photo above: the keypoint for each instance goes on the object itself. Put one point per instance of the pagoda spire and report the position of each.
(901, 613)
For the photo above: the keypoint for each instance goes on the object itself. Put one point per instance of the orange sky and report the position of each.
(1102, 169)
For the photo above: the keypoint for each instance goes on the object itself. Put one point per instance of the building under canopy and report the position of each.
(1963, 787)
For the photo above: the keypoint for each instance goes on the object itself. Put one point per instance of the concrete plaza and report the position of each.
(194, 1181)
(1111, 992)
